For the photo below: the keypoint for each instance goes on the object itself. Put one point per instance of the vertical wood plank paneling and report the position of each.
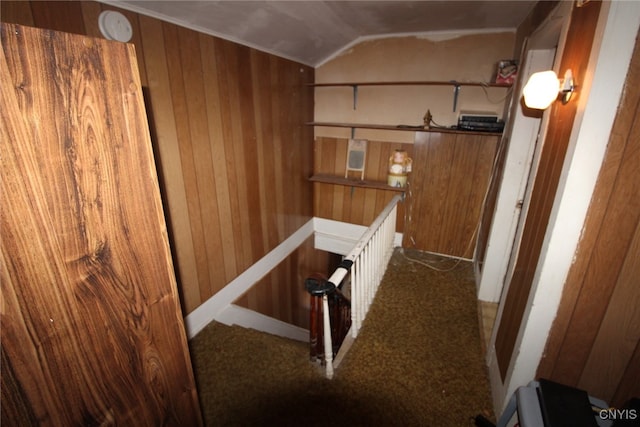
(190, 177)
(424, 214)
(455, 192)
(369, 208)
(228, 63)
(93, 331)
(91, 13)
(249, 169)
(228, 143)
(342, 195)
(168, 154)
(279, 144)
(201, 153)
(261, 79)
(58, 16)
(291, 303)
(614, 249)
(595, 339)
(619, 328)
(290, 288)
(628, 385)
(218, 161)
(245, 173)
(271, 142)
(305, 146)
(384, 197)
(323, 157)
(18, 12)
(450, 176)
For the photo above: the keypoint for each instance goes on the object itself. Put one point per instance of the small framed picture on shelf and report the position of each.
(356, 155)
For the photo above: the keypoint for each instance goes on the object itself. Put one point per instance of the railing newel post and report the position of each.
(328, 346)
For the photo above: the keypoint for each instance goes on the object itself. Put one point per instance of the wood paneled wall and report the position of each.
(353, 204)
(444, 197)
(285, 301)
(594, 342)
(450, 179)
(227, 125)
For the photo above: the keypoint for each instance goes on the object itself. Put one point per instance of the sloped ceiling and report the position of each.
(313, 31)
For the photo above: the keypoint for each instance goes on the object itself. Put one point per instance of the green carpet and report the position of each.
(417, 361)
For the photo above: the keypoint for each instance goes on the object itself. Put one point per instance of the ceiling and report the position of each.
(314, 31)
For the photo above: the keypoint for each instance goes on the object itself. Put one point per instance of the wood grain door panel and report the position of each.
(92, 331)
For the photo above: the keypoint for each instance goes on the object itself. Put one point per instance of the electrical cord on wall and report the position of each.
(431, 264)
(408, 219)
(485, 87)
(434, 125)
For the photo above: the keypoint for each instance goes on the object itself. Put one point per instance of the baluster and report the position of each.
(313, 328)
(369, 257)
(355, 297)
(319, 287)
(365, 281)
(378, 258)
(328, 347)
(334, 318)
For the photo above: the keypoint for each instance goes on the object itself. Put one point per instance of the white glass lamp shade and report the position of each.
(541, 90)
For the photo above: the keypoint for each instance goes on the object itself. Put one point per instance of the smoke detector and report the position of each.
(115, 26)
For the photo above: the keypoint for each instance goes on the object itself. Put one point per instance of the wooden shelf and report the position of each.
(338, 180)
(455, 84)
(399, 128)
(410, 83)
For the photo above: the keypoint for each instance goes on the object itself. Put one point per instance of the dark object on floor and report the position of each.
(483, 422)
(565, 406)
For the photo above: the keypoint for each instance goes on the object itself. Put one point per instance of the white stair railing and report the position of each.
(367, 262)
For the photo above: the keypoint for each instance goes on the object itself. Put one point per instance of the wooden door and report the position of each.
(576, 56)
(92, 331)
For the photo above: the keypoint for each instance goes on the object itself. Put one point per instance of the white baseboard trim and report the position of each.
(210, 309)
(236, 315)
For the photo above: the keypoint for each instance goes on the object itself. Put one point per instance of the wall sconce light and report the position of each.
(543, 88)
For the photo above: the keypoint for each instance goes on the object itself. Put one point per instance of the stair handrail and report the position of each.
(386, 218)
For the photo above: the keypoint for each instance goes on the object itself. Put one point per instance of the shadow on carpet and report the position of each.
(416, 362)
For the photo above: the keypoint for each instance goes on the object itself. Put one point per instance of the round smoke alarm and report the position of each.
(115, 26)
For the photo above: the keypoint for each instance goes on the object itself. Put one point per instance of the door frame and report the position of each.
(520, 165)
(513, 197)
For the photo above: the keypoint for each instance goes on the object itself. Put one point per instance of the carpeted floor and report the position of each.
(417, 361)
